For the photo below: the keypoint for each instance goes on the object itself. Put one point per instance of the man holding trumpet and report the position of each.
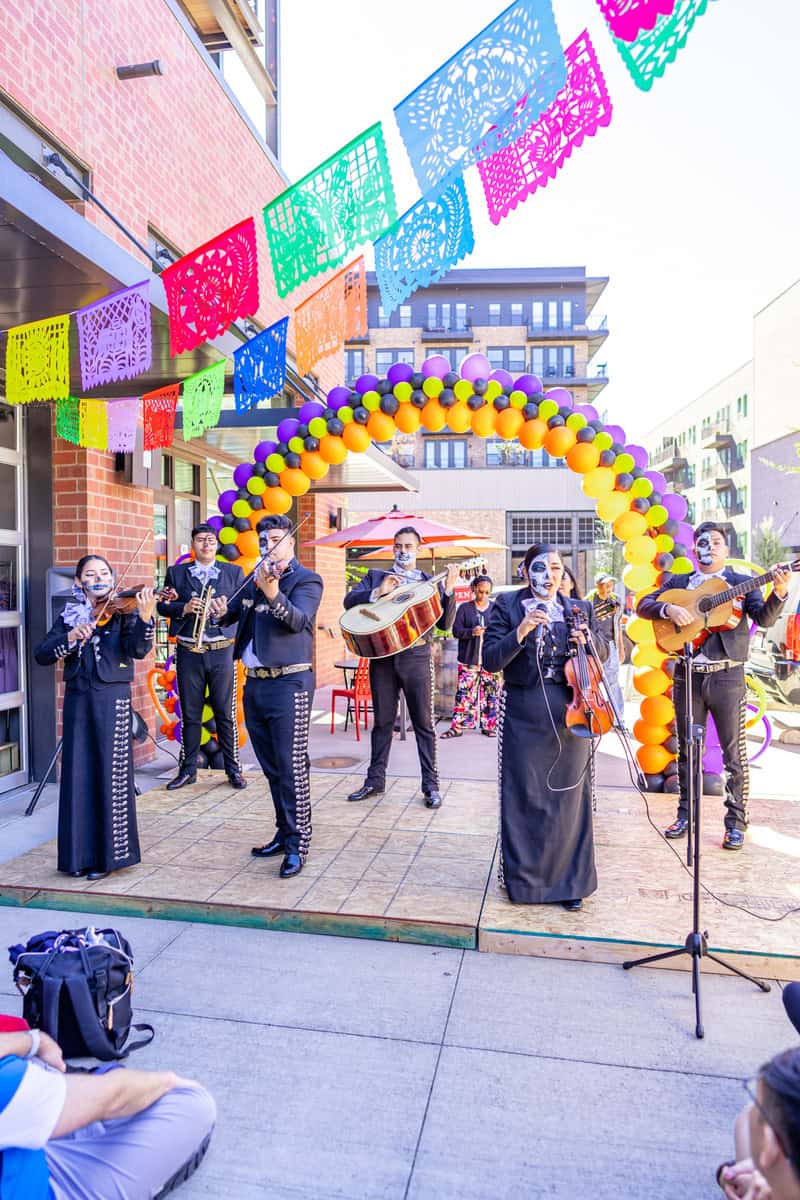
(204, 653)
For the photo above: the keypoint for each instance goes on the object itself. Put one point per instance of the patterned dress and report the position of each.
(476, 692)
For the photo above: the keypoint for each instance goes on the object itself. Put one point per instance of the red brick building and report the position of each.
(173, 158)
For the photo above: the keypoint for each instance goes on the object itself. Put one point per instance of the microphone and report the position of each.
(539, 632)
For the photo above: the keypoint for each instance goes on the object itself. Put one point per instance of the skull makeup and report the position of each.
(705, 554)
(263, 543)
(404, 558)
(539, 575)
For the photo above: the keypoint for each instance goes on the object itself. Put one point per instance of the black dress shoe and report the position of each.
(237, 780)
(97, 875)
(572, 905)
(272, 848)
(181, 779)
(433, 799)
(291, 865)
(76, 874)
(677, 829)
(365, 791)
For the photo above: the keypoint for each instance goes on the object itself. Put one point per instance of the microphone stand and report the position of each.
(696, 943)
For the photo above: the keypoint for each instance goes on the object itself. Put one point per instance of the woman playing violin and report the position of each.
(97, 643)
(545, 771)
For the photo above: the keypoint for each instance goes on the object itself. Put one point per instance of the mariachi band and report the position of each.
(554, 702)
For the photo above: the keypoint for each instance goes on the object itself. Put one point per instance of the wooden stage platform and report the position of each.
(394, 870)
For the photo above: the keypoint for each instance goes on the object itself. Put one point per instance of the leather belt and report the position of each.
(221, 644)
(710, 668)
(275, 672)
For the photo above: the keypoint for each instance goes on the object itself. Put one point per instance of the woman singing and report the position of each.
(546, 840)
(96, 813)
(476, 694)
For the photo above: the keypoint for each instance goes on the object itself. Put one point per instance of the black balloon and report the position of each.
(354, 399)
(383, 388)
(508, 389)
(664, 561)
(259, 469)
(554, 421)
(655, 783)
(564, 411)
(587, 434)
(671, 769)
(418, 398)
(230, 552)
(218, 761)
(530, 410)
(712, 784)
(596, 425)
(241, 524)
(211, 747)
(671, 785)
(640, 504)
(301, 431)
(228, 520)
(618, 448)
(479, 386)
(242, 494)
(670, 527)
(311, 443)
(624, 482)
(256, 502)
(637, 472)
(502, 401)
(389, 405)
(271, 479)
(655, 497)
(447, 397)
(450, 380)
(607, 458)
(679, 550)
(282, 449)
(335, 427)
(671, 744)
(292, 460)
(361, 415)
(417, 380)
(475, 402)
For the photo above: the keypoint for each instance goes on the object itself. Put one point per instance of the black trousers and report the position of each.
(276, 712)
(196, 672)
(722, 694)
(412, 673)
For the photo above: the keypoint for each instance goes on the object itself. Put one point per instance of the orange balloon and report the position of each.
(483, 421)
(459, 417)
(247, 543)
(583, 457)
(355, 437)
(647, 654)
(381, 427)
(295, 481)
(407, 419)
(653, 759)
(332, 449)
(640, 630)
(242, 737)
(257, 514)
(651, 682)
(314, 464)
(509, 422)
(276, 500)
(650, 735)
(559, 440)
(434, 417)
(629, 525)
(532, 434)
(658, 710)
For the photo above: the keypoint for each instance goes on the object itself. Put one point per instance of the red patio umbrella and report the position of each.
(380, 531)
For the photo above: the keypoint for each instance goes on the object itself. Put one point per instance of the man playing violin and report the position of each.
(718, 685)
(209, 665)
(409, 671)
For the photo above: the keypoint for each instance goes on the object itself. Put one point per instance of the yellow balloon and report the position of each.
(639, 578)
(640, 630)
(647, 654)
(612, 506)
(598, 482)
(639, 550)
(629, 525)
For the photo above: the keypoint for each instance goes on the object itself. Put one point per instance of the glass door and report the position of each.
(13, 716)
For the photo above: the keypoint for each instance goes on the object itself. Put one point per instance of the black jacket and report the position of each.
(119, 642)
(502, 651)
(724, 643)
(283, 634)
(362, 591)
(467, 617)
(229, 579)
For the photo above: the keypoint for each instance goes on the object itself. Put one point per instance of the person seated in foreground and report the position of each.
(767, 1135)
(133, 1135)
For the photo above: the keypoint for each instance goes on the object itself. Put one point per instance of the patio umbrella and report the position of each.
(380, 531)
(466, 548)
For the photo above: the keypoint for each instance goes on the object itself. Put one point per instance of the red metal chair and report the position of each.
(359, 694)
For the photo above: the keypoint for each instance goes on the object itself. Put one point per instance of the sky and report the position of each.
(688, 200)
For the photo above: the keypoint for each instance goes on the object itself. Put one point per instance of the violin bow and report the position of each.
(289, 533)
(124, 572)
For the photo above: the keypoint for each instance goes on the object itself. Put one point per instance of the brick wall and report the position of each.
(329, 563)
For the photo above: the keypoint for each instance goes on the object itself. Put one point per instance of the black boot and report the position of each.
(185, 775)
(291, 865)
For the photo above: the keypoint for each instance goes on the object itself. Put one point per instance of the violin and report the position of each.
(588, 714)
(124, 602)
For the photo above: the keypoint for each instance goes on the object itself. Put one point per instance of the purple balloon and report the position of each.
(712, 759)
(685, 535)
(476, 366)
(399, 373)
(500, 376)
(529, 384)
(242, 474)
(640, 459)
(225, 502)
(263, 451)
(675, 505)
(562, 397)
(287, 429)
(587, 410)
(215, 523)
(337, 397)
(617, 433)
(311, 409)
(658, 481)
(367, 383)
(437, 366)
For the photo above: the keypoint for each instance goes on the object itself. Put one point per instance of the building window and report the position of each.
(515, 358)
(461, 317)
(526, 530)
(494, 314)
(552, 314)
(568, 361)
(386, 358)
(405, 316)
(445, 453)
(455, 355)
(501, 452)
(537, 360)
(431, 316)
(590, 530)
(516, 314)
(741, 405)
(566, 314)
(495, 356)
(383, 317)
(537, 314)
(353, 366)
(551, 361)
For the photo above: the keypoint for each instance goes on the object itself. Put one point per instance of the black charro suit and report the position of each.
(213, 669)
(280, 635)
(723, 693)
(410, 671)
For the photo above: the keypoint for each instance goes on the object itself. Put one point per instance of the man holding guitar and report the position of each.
(410, 671)
(718, 662)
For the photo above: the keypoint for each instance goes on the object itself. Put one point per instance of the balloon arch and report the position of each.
(645, 515)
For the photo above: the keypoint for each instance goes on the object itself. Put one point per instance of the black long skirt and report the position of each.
(546, 837)
(97, 810)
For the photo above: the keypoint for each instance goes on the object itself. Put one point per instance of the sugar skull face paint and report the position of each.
(404, 558)
(544, 575)
(711, 549)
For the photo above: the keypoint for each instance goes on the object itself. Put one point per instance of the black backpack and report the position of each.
(76, 985)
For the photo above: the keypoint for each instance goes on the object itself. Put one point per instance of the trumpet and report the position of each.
(201, 619)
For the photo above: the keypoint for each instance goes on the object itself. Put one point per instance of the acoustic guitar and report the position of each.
(395, 622)
(714, 605)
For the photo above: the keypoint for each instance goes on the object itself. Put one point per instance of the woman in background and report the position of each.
(476, 693)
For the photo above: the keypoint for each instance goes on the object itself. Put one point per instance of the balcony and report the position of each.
(457, 331)
(669, 458)
(234, 25)
(715, 435)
